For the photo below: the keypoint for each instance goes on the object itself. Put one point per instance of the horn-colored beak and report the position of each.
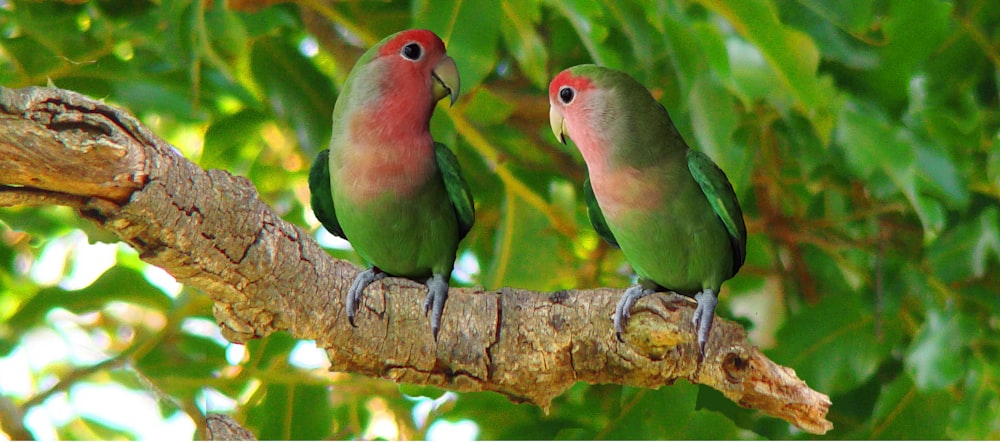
(446, 81)
(558, 124)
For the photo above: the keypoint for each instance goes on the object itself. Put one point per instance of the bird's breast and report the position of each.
(627, 190)
(368, 173)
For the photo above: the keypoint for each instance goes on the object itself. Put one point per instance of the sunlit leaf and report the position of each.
(936, 356)
(117, 284)
(296, 90)
(230, 139)
(792, 54)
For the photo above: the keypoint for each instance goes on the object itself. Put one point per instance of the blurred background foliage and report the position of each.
(861, 137)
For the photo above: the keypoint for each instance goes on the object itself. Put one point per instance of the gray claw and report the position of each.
(704, 315)
(624, 308)
(437, 294)
(358, 288)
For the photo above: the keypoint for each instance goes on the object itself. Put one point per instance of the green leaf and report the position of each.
(527, 253)
(226, 33)
(635, 421)
(117, 284)
(905, 412)
(992, 178)
(182, 358)
(629, 19)
(843, 31)
(967, 250)
(793, 54)
(471, 31)
(870, 141)
(711, 46)
(832, 345)
(95, 429)
(850, 15)
(34, 58)
(714, 119)
(271, 351)
(938, 173)
(936, 357)
(292, 412)
(499, 419)
(296, 90)
(229, 140)
(753, 78)
(977, 415)
(41, 222)
(486, 108)
(413, 390)
(911, 33)
(525, 43)
(668, 413)
(142, 95)
(587, 19)
(682, 45)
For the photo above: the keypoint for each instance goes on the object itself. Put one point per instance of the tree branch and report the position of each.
(209, 230)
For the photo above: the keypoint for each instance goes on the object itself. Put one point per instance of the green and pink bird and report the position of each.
(670, 209)
(384, 184)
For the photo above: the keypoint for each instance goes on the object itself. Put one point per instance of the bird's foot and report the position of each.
(437, 294)
(704, 315)
(624, 309)
(358, 288)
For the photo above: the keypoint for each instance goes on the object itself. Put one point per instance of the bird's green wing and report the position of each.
(457, 188)
(720, 194)
(320, 195)
(596, 216)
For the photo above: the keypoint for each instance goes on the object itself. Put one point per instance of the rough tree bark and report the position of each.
(209, 230)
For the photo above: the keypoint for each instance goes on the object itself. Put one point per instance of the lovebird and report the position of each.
(384, 184)
(669, 208)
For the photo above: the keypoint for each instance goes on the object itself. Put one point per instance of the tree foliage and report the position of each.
(862, 139)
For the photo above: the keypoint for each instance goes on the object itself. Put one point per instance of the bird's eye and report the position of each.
(567, 94)
(412, 51)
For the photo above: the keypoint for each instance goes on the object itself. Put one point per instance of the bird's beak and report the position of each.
(558, 124)
(446, 81)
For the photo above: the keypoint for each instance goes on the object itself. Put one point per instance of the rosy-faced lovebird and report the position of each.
(384, 185)
(670, 209)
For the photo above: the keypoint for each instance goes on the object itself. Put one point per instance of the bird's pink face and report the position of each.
(576, 107)
(568, 95)
(412, 72)
(416, 59)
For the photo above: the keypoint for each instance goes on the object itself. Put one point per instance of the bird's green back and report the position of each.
(320, 195)
(458, 190)
(596, 216)
(721, 196)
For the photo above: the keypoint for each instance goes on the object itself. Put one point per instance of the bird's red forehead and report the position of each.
(566, 78)
(429, 40)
